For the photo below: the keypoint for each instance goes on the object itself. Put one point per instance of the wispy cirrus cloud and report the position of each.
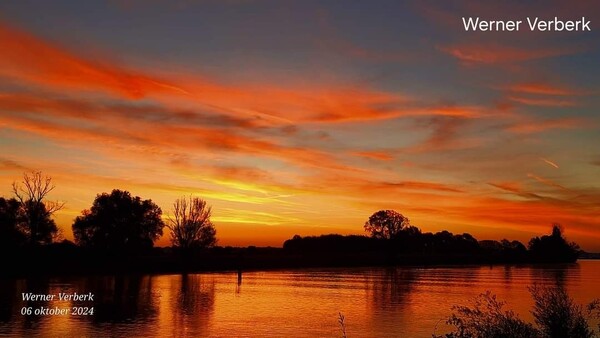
(550, 163)
(528, 127)
(546, 181)
(489, 53)
(9, 164)
(29, 58)
(543, 88)
(374, 155)
(543, 102)
(544, 94)
(181, 138)
(98, 110)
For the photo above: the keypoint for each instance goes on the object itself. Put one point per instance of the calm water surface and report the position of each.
(377, 302)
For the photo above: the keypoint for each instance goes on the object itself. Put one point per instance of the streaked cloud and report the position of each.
(527, 127)
(542, 102)
(550, 163)
(542, 88)
(486, 53)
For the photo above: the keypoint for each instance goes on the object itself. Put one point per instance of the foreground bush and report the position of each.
(556, 316)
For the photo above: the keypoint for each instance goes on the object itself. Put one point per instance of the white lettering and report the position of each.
(471, 24)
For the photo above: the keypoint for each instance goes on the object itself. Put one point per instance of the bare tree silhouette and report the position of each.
(190, 225)
(35, 211)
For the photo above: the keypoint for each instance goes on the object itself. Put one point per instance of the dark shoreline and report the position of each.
(57, 262)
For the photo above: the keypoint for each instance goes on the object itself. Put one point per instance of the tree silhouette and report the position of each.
(190, 225)
(10, 233)
(118, 221)
(35, 214)
(553, 247)
(386, 224)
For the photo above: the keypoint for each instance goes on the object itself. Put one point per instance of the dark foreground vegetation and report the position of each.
(117, 234)
(556, 315)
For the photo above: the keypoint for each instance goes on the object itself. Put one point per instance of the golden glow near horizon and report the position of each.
(492, 136)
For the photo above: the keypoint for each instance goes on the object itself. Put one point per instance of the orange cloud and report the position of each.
(542, 102)
(380, 188)
(544, 125)
(26, 57)
(375, 155)
(181, 138)
(546, 181)
(543, 94)
(508, 186)
(481, 53)
(456, 111)
(447, 133)
(543, 89)
(31, 60)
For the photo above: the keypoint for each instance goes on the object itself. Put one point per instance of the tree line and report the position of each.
(115, 221)
(391, 231)
(118, 221)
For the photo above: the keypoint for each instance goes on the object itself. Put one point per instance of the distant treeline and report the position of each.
(299, 252)
(117, 234)
(547, 248)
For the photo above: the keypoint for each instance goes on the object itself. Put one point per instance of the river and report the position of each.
(376, 302)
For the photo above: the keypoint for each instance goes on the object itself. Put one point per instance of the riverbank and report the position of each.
(71, 260)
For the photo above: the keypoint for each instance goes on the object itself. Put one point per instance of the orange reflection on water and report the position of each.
(377, 302)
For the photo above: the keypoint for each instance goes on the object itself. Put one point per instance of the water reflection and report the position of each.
(508, 274)
(382, 302)
(8, 294)
(9, 304)
(557, 274)
(121, 299)
(192, 306)
(37, 286)
(390, 289)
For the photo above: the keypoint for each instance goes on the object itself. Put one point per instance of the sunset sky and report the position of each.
(305, 117)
